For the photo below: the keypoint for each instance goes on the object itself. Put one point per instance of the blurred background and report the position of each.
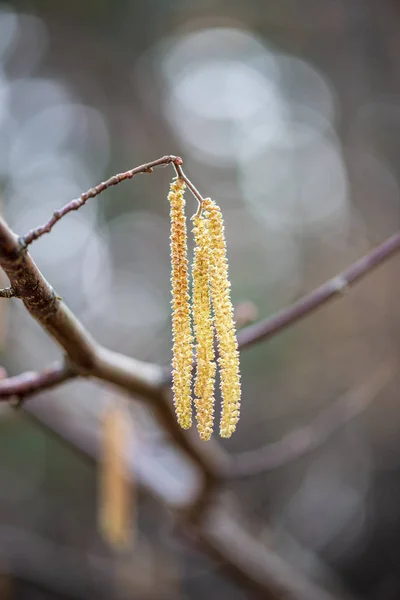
(288, 115)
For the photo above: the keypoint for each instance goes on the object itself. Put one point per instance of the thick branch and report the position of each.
(84, 354)
(87, 357)
(248, 559)
(329, 290)
(120, 370)
(219, 532)
(41, 301)
(55, 317)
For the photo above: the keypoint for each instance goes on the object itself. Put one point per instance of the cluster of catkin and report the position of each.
(209, 312)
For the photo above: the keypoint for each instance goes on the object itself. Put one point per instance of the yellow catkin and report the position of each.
(223, 319)
(203, 328)
(181, 320)
(114, 486)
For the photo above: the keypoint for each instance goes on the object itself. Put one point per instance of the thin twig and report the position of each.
(267, 328)
(75, 204)
(32, 382)
(297, 443)
(179, 171)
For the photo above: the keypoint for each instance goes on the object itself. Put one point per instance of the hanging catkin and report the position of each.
(211, 288)
(203, 328)
(228, 359)
(114, 487)
(181, 319)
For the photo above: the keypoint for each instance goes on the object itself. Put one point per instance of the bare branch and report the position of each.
(217, 528)
(329, 290)
(249, 560)
(267, 328)
(75, 204)
(120, 370)
(41, 301)
(301, 441)
(31, 382)
(55, 317)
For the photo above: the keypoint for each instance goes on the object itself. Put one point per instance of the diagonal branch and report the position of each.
(333, 288)
(267, 328)
(31, 382)
(220, 532)
(271, 577)
(41, 301)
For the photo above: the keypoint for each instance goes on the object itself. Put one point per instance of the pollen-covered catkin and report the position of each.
(203, 329)
(223, 320)
(181, 320)
(114, 486)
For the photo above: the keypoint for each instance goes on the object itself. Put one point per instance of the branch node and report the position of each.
(340, 284)
(18, 402)
(8, 292)
(23, 241)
